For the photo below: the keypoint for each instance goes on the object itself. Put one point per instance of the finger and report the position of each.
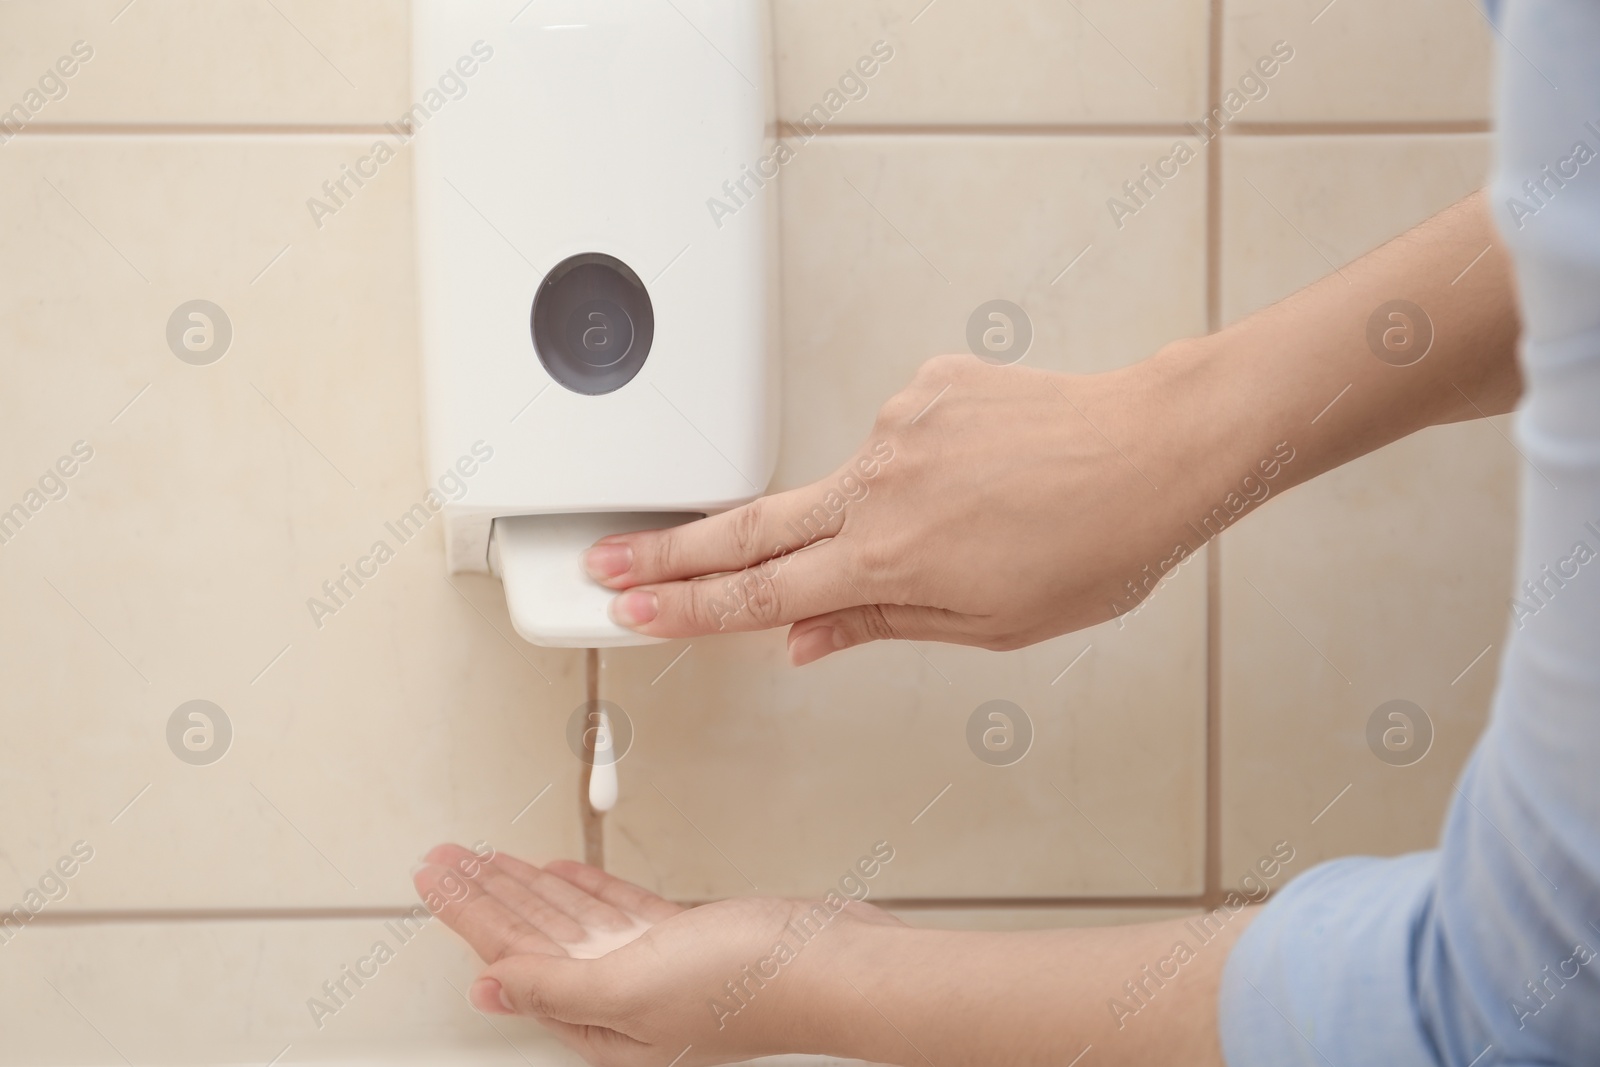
(793, 587)
(581, 992)
(583, 906)
(487, 996)
(542, 914)
(813, 638)
(760, 530)
(486, 924)
(635, 900)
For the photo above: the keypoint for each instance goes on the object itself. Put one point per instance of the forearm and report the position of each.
(909, 996)
(1304, 371)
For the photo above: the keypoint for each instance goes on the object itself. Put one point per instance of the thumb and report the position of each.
(568, 990)
(811, 639)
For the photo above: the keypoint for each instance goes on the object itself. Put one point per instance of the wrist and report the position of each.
(1204, 432)
(1220, 443)
(1219, 419)
(871, 964)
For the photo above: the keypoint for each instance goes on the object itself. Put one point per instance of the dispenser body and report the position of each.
(597, 266)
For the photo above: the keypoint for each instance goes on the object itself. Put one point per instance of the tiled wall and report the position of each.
(1169, 754)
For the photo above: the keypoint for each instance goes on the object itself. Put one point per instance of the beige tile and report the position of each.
(247, 991)
(1360, 60)
(747, 777)
(970, 62)
(890, 244)
(218, 500)
(209, 61)
(748, 774)
(1383, 580)
(241, 992)
(1294, 208)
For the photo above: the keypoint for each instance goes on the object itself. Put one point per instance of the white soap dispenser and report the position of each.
(592, 311)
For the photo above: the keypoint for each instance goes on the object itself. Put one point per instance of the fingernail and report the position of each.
(604, 562)
(814, 644)
(634, 609)
(489, 997)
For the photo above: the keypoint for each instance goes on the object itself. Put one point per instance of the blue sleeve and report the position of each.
(1487, 951)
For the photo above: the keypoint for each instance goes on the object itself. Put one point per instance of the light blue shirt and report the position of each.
(1487, 951)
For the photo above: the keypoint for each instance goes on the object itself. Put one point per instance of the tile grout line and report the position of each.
(1312, 128)
(989, 129)
(1308, 127)
(591, 822)
(1337, 128)
(1212, 876)
(200, 129)
(97, 917)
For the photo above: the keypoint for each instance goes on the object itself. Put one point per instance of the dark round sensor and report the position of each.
(592, 323)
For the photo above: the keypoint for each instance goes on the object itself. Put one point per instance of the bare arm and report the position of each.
(754, 977)
(1096, 485)
(1137, 994)
(1288, 362)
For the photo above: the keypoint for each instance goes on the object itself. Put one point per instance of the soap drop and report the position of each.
(603, 773)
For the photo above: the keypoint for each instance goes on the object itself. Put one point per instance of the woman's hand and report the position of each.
(627, 979)
(999, 506)
(991, 506)
(624, 977)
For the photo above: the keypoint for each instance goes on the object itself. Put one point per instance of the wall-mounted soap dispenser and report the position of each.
(591, 308)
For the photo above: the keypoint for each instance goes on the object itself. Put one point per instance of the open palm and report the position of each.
(623, 976)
